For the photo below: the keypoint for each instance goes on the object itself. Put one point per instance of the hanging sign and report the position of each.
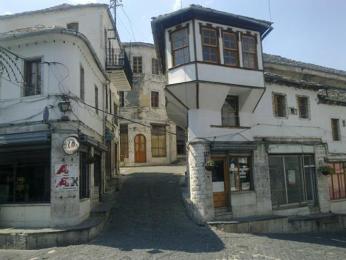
(70, 145)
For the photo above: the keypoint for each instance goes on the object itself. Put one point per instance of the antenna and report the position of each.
(114, 4)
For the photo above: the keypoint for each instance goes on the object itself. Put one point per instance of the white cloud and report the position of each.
(176, 5)
(6, 13)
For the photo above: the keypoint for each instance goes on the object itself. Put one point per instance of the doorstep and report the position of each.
(283, 224)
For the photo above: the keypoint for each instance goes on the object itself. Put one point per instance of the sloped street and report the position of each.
(149, 222)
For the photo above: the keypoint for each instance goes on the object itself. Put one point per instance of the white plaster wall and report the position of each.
(25, 215)
(70, 52)
(92, 22)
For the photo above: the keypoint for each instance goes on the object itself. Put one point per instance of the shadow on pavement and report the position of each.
(149, 215)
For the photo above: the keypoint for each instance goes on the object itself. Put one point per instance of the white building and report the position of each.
(60, 70)
(153, 139)
(258, 129)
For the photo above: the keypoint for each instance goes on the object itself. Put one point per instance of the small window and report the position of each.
(124, 142)
(279, 105)
(210, 45)
(230, 49)
(121, 98)
(230, 111)
(240, 173)
(73, 26)
(82, 82)
(155, 66)
(154, 99)
(335, 129)
(32, 75)
(249, 45)
(158, 141)
(137, 64)
(180, 47)
(303, 107)
(96, 100)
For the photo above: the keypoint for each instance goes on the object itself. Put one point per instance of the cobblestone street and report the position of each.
(149, 222)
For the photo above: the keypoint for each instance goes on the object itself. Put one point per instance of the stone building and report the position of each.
(58, 91)
(266, 135)
(153, 139)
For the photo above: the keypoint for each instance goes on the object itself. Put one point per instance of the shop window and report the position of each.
(84, 178)
(181, 144)
(210, 45)
(155, 66)
(335, 129)
(121, 98)
(124, 142)
(249, 46)
(230, 49)
(292, 179)
(303, 106)
(25, 177)
(337, 181)
(279, 105)
(32, 75)
(230, 111)
(137, 64)
(154, 99)
(180, 46)
(240, 173)
(158, 141)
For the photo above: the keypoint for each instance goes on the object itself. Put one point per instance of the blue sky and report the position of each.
(306, 30)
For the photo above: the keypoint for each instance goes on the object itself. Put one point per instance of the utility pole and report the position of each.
(115, 4)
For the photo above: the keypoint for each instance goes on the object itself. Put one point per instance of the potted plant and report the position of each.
(326, 170)
(209, 165)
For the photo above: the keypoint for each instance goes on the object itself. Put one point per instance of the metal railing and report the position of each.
(117, 59)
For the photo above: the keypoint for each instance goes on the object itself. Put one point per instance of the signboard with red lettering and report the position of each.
(66, 177)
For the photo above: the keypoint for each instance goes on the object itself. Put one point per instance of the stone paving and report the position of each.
(149, 222)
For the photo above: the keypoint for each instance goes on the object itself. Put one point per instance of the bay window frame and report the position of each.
(173, 51)
(217, 47)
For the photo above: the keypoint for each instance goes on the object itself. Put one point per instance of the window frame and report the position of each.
(124, 141)
(255, 53)
(173, 51)
(337, 137)
(155, 99)
(82, 83)
(298, 97)
(237, 123)
(332, 187)
(121, 99)
(250, 165)
(217, 47)
(155, 66)
(138, 65)
(229, 49)
(274, 107)
(161, 146)
(38, 90)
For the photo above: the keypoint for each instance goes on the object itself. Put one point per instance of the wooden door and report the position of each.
(140, 149)
(219, 183)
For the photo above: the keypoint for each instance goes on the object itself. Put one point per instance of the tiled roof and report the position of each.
(276, 59)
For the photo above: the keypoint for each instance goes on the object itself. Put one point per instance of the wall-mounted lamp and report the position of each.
(65, 106)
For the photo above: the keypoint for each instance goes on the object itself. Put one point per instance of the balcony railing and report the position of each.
(117, 59)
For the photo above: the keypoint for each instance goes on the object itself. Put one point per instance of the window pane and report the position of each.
(179, 39)
(6, 183)
(230, 41)
(249, 60)
(230, 57)
(230, 111)
(303, 106)
(249, 44)
(181, 56)
(279, 105)
(158, 141)
(209, 37)
(210, 54)
(277, 180)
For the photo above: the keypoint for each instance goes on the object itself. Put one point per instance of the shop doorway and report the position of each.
(219, 179)
(140, 149)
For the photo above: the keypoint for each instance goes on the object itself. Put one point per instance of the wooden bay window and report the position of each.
(230, 49)
(180, 46)
(210, 46)
(249, 50)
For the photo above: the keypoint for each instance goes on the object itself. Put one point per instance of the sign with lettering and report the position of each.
(66, 177)
(70, 145)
